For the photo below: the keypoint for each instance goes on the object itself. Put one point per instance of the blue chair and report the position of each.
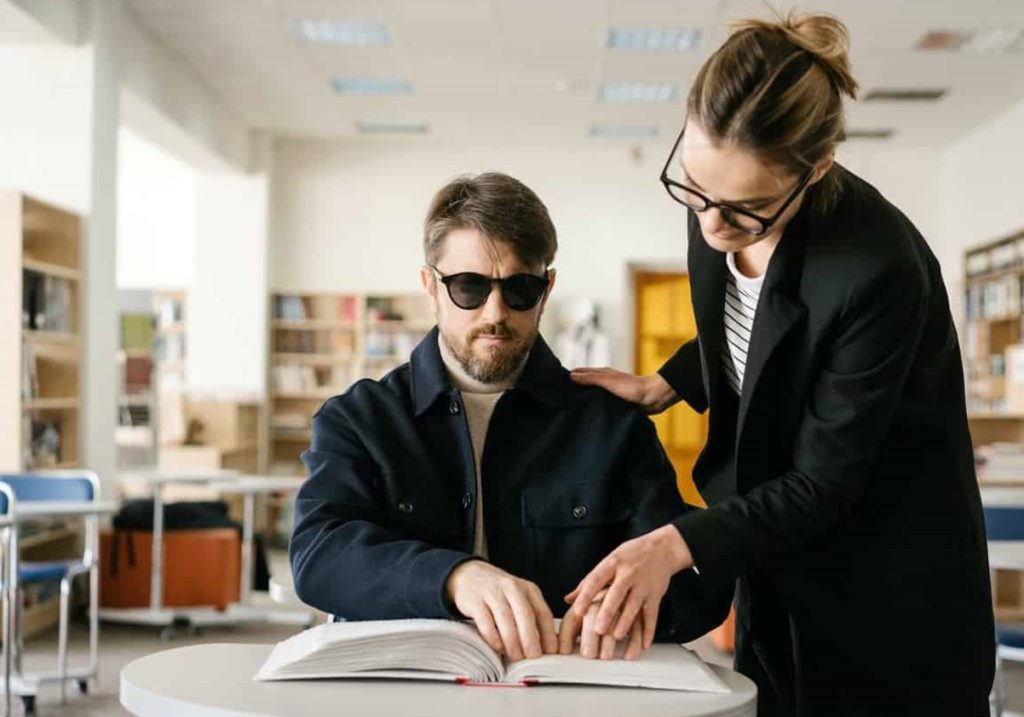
(1005, 523)
(75, 486)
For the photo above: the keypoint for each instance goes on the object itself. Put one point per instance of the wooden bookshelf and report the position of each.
(993, 293)
(320, 344)
(40, 366)
(136, 433)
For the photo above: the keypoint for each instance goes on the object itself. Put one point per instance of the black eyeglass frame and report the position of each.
(447, 280)
(725, 208)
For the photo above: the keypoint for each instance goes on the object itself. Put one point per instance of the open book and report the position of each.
(453, 651)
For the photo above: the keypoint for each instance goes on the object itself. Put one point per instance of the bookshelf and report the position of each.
(993, 352)
(135, 434)
(40, 356)
(320, 344)
(169, 310)
(40, 367)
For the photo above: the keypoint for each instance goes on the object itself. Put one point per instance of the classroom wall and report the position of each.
(981, 196)
(45, 126)
(348, 216)
(155, 247)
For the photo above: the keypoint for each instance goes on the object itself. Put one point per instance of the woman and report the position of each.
(838, 466)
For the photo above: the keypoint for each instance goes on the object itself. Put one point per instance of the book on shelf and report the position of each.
(449, 651)
(29, 373)
(46, 302)
(46, 443)
(136, 332)
(169, 311)
(289, 308)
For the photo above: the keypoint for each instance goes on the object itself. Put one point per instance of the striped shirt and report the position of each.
(741, 295)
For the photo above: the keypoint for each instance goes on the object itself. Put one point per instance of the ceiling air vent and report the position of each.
(905, 95)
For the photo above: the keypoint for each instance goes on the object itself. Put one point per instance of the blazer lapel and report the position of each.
(778, 311)
(707, 289)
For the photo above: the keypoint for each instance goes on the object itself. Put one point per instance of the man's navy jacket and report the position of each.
(569, 472)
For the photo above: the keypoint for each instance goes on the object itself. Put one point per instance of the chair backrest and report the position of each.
(1004, 522)
(71, 486)
(6, 500)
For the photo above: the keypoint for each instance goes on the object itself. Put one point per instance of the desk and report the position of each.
(225, 481)
(215, 680)
(1006, 554)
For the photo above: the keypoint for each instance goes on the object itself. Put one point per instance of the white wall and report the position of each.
(227, 302)
(348, 216)
(45, 126)
(155, 216)
(982, 191)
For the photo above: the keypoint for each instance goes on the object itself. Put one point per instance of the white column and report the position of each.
(99, 412)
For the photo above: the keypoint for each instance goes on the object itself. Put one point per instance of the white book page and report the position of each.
(341, 649)
(663, 666)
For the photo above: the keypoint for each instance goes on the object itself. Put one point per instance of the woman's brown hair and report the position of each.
(776, 89)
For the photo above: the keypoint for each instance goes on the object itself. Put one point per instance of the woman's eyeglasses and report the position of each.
(469, 290)
(742, 219)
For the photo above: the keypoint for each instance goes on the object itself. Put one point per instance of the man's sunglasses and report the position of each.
(468, 290)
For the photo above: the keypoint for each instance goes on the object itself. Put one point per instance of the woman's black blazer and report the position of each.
(841, 484)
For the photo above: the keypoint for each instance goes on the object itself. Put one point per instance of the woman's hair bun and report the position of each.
(823, 36)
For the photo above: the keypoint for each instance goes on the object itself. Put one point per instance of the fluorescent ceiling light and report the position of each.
(342, 34)
(387, 127)
(986, 41)
(624, 92)
(650, 39)
(348, 86)
(624, 132)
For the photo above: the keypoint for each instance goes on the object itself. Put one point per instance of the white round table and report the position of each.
(215, 680)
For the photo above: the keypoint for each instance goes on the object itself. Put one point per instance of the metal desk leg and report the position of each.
(248, 516)
(8, 615)
(156, 583)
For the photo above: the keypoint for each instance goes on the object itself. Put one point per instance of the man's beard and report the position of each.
(500, 362)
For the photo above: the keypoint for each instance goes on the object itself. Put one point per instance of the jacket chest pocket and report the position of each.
(572, 526)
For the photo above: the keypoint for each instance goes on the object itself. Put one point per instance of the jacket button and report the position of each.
(453, 408)
(579, 512)
(404, 507)
(467, 499)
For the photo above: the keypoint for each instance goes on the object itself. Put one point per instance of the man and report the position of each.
(477, 480)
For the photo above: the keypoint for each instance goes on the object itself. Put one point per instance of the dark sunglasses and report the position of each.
(468, 290)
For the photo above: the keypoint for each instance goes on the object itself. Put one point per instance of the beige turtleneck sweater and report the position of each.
(479, 400)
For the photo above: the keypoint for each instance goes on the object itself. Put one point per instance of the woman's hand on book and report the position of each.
(636, 576)
(509, 613)
(593, 645)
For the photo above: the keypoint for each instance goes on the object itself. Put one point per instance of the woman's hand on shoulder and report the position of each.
(652, 393)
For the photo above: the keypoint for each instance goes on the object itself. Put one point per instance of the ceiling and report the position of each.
(528, 71)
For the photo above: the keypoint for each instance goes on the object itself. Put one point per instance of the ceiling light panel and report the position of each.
(988, 41)
(624, 132)
(629, 93)
(388, 127)
(367, 86)
(664, 39)
(340, 34)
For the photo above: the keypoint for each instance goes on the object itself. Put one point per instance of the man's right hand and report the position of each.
(509, 612)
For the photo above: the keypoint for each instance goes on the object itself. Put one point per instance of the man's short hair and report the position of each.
(498, 206)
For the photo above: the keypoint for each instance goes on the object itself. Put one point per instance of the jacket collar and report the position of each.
(543, 377)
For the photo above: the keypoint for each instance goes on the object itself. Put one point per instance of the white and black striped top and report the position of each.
(741, 296)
